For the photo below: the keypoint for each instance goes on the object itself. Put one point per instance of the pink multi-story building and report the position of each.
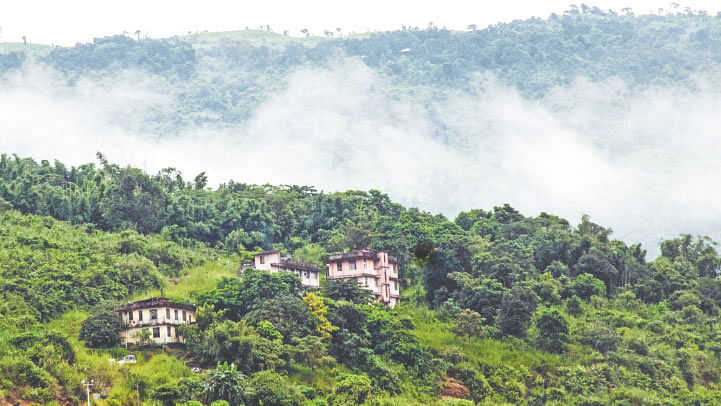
(373, 270)
(273, 262)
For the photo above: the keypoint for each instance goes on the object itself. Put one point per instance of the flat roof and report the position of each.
(364, 253)
(155, 302)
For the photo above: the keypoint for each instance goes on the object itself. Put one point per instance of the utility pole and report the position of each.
(87, 387)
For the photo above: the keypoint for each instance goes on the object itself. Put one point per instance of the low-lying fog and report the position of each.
(643, 162)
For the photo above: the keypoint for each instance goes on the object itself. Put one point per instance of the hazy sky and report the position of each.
(70, 21)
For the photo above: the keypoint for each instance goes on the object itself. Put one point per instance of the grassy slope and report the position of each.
(196, 279)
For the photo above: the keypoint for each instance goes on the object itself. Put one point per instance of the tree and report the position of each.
(290, 316)
(201, 181)
(552, 331)
(350, 290)
(584, 286)
(102, 329)
(225, 383)
(142, 337)
(311, 351)
(517, 308)
(266, 329)
(319, 310)
(351, 389)
(271, 389)
(469, 323)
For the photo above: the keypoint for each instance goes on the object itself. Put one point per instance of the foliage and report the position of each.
(513, 308)
(469, 323)
(319, 310)
(351, 389)
(553, 331)
(225, 383)
(348, 290)
(102, 328)
(272, 389)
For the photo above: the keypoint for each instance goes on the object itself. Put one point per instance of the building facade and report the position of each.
(272, 261)
(373, 270)
(159, 316)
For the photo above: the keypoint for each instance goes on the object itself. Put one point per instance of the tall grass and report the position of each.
(196, 280)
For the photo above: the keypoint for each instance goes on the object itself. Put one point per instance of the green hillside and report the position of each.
(496, 307)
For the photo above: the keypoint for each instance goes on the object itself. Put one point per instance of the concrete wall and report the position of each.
(267, 258)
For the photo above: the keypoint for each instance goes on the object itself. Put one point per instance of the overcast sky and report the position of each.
(69, 21)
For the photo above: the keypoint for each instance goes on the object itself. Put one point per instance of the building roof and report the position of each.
(302, 266)
(268, 252)
(155, 302)
(360, 254)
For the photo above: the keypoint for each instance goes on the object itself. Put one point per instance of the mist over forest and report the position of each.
(585, 112)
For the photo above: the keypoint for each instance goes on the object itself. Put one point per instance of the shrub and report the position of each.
(271, 389)
(351, 389)
(102, 329)
(553, 331)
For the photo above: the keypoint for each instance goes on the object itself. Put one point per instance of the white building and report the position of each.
(273, 262)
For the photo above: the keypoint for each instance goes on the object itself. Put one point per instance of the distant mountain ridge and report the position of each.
(228, 74)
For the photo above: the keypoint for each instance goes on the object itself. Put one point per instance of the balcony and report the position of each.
(154, 322)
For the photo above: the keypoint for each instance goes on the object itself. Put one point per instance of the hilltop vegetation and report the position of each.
(221, 78)
(497, 307)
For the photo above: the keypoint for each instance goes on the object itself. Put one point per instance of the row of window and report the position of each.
(154, 314)
(156, 332)
(313, 275)
(352, 266)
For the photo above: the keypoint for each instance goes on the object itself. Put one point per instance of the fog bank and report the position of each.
(643, 162)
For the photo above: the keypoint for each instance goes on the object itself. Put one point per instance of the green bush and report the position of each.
(271, 389)
(351, 389)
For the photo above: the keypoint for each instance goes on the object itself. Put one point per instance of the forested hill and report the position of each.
(223, 77)
(496, 306)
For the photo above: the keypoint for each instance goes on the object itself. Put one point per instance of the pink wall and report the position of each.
(268, 258)
(384, 275)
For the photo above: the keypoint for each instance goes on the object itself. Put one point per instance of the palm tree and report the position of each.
(225, 383)
(137, 32)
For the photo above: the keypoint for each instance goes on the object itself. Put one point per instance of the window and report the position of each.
(395, 285)
(351, 265)
(154, 314)
(262, 259)
(156, 332)
(140, 315)
(340, 266)
(168, 330)
(184, 315)
(167, 313)
(130, 313)
(305, 274)
(176, 314)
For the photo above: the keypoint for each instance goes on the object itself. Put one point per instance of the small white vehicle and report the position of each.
(128, 359)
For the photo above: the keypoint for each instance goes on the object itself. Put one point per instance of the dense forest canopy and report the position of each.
(223, 80)
(627, 328)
